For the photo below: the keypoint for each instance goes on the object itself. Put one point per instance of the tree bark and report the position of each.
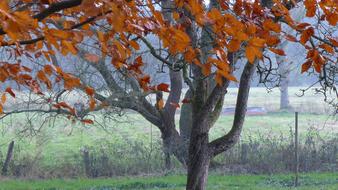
(199, 160)
(227, 141)
(186, 118)
(173, 144)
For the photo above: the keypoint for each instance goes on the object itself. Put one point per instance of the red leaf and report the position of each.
(90, 91)
(334, 41)
(163, 87)
(186, 101)
(10, 91)
(92, 104)
(306, 66)
(92, 57)
(290, 38)
(87, 121)
(277, 51)
(176, 105)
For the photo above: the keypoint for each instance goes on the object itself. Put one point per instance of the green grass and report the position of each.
(215, 182)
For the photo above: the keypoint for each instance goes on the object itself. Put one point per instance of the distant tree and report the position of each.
(200, 44)
(285, 64)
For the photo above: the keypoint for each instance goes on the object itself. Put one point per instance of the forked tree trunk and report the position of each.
(200, 150)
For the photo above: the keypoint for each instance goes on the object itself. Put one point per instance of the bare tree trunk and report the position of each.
(167, 161)
(199, 161)
(8, 158)
(173, 144)
(186, 118)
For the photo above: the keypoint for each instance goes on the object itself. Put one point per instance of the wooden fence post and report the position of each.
(8, 158)
(86, 162)
(296, 150)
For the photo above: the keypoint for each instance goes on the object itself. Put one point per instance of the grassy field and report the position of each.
(312, 181)
(56, 143)
(61, 139)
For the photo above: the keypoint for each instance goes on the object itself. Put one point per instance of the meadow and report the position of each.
(52, 147)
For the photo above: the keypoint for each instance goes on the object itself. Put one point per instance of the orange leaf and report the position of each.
(59, 34)
(219, 78)
(334, 41)
(227, 75)
(332, 18)
(134, 44)
(306, 35)
(302, 26)
(48, 69)
(258, 42)
(70, 81)
(310, 6)
(290, 38)
(234, 45)
(160, 104)
(42, 77)
(3, 98)
(100, 36)
(271, 25)
(318, 67)
(69, 46)
(277, 51)
(92, 104)
(206, 69)
(176, 15)
(327, 48)
(92, 57)
(25, 77)
(272, 40)
(250, 53)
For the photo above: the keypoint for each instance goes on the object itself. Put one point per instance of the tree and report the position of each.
(202, 44)
(284, 65)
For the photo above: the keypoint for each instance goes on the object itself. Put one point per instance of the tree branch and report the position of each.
(227, 141)
(53, 8)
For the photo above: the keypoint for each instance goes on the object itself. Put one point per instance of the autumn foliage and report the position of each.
(33, 30)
